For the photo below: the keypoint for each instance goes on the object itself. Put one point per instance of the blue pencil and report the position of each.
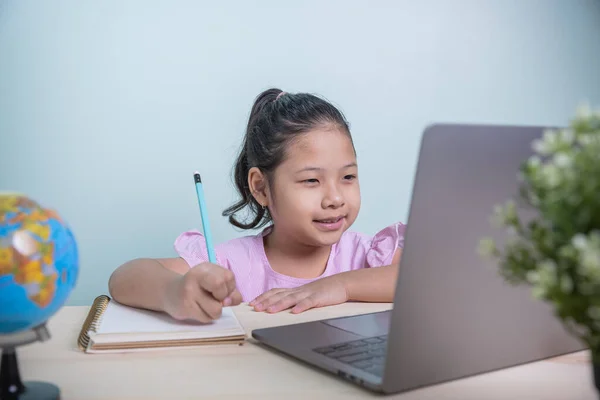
(204, 215)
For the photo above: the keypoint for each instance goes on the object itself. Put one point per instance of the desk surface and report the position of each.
(250, 371)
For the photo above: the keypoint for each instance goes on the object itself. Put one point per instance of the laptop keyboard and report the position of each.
(366, 354)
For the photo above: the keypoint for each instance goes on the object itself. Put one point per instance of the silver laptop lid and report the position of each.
(453, 314)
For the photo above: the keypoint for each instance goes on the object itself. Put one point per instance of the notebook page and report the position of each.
(118, 318)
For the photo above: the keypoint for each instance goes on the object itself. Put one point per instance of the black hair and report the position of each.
(276, 118)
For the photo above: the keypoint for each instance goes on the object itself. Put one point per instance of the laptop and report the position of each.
(453, 315)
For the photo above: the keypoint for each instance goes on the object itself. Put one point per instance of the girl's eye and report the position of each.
(350, 177)
(311, 181)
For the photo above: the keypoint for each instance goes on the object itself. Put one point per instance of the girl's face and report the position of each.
(315, 195)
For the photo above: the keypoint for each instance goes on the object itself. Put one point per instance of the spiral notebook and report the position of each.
(114, 327)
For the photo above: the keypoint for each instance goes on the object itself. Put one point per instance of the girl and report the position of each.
(297, 176)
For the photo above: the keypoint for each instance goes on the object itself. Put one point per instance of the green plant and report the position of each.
(557, 252)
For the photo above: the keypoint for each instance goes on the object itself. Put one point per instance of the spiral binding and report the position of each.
(93, 319)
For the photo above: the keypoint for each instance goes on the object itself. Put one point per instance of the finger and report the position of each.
(265, 295)
(236, 298)
(199, 315)
(287, 302)
(306, 304)
(233, 299)
(209, 305)
(270, 301)
(194, 312)
(216, 282)
(230, 282)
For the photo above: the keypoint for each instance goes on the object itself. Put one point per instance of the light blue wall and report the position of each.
(107, 107)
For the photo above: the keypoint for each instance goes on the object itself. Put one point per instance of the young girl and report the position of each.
(297, 176)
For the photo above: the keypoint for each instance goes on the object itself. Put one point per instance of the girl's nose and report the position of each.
(333, 198)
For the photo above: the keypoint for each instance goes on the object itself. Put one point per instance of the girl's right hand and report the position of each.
(201, 293)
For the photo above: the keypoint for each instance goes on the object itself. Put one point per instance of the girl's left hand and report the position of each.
(323, 292)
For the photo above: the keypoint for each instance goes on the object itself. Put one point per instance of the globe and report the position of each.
(38, 263)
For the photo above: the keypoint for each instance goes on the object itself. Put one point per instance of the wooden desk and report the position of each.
(250, 371)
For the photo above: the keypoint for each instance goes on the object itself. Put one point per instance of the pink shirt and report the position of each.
(246, 257)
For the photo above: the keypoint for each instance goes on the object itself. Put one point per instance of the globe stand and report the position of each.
(11, 386)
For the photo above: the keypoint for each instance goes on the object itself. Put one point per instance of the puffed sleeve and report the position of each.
(191, 246)
(384, 245)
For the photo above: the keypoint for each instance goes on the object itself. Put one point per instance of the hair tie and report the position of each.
(279, 95)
